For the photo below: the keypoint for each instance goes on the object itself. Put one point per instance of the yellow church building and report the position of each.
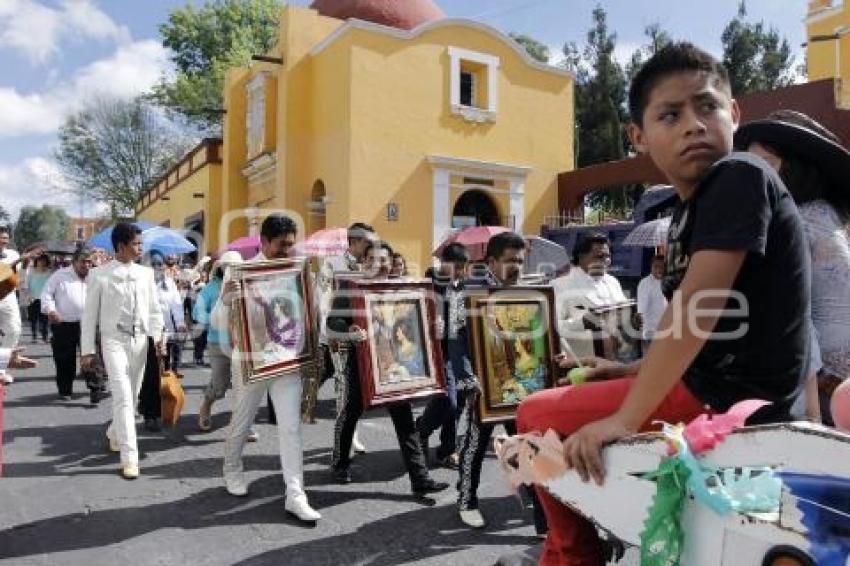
(828, 45)
(387, 112)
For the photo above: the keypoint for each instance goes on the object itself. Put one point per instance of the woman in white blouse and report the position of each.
(815, 166)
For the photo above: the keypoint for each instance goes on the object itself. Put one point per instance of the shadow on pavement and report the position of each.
(214, 507)
(406, 537)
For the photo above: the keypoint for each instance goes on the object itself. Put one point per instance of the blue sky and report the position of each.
(57, 53)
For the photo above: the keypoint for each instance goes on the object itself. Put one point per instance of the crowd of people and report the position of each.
(765, 228)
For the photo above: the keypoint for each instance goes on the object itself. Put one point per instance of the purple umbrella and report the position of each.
(247, 246)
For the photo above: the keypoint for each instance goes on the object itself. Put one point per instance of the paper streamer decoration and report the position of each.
(745, 490)
(662, 539)
(704, 432)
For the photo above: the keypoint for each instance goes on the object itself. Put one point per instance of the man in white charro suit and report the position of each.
(121, 301)
(277, 240)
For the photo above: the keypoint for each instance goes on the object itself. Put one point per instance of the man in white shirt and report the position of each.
(63, 300)
(277, 239)
(173, 314)
(587, 288)
(651, 302)
(121, 300)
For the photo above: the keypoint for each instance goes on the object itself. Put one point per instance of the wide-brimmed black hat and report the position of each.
(789, 138)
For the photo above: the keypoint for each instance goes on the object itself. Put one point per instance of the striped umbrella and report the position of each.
(649, 234)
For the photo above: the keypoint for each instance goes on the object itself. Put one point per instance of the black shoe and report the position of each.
(152, 425)
(342, 476)
(64, 397)
(429, 486)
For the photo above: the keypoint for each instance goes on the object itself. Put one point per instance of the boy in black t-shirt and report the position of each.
(737, 326)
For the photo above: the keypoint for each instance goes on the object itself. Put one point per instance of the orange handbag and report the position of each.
(172, 395)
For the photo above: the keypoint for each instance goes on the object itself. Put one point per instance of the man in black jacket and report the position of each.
(341, 327)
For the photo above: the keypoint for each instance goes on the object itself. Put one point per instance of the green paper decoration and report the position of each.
(662, 539)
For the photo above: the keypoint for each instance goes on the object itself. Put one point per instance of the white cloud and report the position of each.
(36, 30)
(131, 70)
(84, 16)
(33, 182)
(28, 114)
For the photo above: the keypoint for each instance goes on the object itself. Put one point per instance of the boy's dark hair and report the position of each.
(671, 59)
(5, 229)
(44, 258)
(587, 240)
(378, 244)
(123, 233)
(497, 244)
(360, 230)
(455, 253)
(277, 225)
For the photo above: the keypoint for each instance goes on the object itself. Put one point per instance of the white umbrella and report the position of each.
(649, 234)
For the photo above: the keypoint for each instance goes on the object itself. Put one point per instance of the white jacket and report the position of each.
(171, 305)
(105, 296)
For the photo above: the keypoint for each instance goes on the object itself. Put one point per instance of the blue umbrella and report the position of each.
(103, 239)
(166, 241)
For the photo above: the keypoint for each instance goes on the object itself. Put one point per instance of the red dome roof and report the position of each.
(404, 14)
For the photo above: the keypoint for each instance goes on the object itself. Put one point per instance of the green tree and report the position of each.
(537, 50)
(39, 225)
(756, 57)
(205, 42)
(600, 106)
(656, 39)
(113, 150)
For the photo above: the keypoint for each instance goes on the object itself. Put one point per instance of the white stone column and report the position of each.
(253, 215)
(442, 214)
(517, 198)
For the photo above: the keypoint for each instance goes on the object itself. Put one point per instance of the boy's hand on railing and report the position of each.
(583, 449)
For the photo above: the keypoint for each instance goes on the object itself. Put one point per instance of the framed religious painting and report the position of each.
(274, 318)
(513, 340)
(400, 359)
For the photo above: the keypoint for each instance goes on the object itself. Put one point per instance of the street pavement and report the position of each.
(62, 501)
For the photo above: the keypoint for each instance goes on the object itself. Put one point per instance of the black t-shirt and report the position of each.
(742, 204)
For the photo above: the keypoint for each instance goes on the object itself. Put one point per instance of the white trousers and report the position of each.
(10, 323)
(125, 358)
(285, 392)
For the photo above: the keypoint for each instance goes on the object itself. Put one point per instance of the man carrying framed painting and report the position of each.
(359, 236)
(277, 239)
(443, 412)
(504, 258)
(341, 326)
